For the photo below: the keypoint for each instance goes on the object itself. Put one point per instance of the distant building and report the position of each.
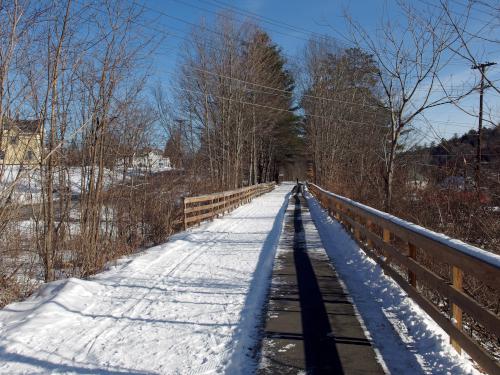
(152, 161)
(20, 142)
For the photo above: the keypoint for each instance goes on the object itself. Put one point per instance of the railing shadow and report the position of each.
(74, 368)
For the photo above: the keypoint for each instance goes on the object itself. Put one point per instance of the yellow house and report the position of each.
(20, 142)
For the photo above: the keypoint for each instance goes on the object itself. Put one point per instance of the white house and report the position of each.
(152, 161)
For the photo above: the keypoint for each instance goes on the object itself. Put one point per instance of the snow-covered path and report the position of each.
(189, 306)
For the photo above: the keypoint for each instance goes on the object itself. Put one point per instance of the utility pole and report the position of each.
(481, 68)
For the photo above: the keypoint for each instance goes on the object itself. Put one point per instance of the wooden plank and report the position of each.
(456, 312)
(412, 253)
(369, 228)
(386, 233)
(203, 207)
(203, 198)
(208, 197)
(337, 211)
(356, 229)
(184, 223)
(199, 217)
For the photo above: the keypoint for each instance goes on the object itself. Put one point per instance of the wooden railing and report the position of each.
(388, 239)
(204, 207)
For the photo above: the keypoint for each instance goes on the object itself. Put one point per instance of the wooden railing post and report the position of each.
(348, 224)
(412, 253)
(387, 239)
(357, 234)
(337, 212)
(184, 213)
(369, 229)
(456, 312)
(387, 235)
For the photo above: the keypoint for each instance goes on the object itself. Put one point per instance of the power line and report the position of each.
(471, 7)
(239, 39)
(218, 33)
(247, 82)
(228, 17)
(275, 108)
(267, 19)
(451, 11)
(204, 28)
(457, 124)
(282, 90)
(243, 81)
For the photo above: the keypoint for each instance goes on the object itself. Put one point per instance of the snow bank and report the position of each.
(409, 341)
(27, 183)
(188, 306)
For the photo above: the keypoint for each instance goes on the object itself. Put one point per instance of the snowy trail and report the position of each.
(189, 306)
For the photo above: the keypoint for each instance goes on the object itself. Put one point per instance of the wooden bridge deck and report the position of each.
(311, 325)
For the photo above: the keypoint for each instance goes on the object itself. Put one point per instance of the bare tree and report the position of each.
(233, 99)
(410, 56)
(345, 124)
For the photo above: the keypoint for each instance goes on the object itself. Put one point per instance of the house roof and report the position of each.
(24, 126)
(148, 152)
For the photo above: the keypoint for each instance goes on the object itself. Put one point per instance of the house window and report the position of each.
(13, 140)
(2, 155)
(30, 155)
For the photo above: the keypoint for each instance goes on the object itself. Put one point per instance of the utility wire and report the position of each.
(241, 40)
(247, 82)
(233, 78)
(265, 19)
(175, 74)
(230, 18)
(275, 108)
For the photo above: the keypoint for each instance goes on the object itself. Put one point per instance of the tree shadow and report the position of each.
(61, 367)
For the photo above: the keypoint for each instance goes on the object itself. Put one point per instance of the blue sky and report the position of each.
(322, 17)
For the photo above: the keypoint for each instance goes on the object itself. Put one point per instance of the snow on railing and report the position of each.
(203, 207)
(381, 236)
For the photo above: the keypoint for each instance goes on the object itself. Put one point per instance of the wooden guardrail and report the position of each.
(377, 231)
(203, 207)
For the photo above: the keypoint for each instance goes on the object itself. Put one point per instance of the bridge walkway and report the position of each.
(311, 324)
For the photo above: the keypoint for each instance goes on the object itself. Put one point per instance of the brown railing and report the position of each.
(203, 207)
(388, 239)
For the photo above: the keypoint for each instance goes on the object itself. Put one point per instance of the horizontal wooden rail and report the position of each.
(203, 207)
(462, 258)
